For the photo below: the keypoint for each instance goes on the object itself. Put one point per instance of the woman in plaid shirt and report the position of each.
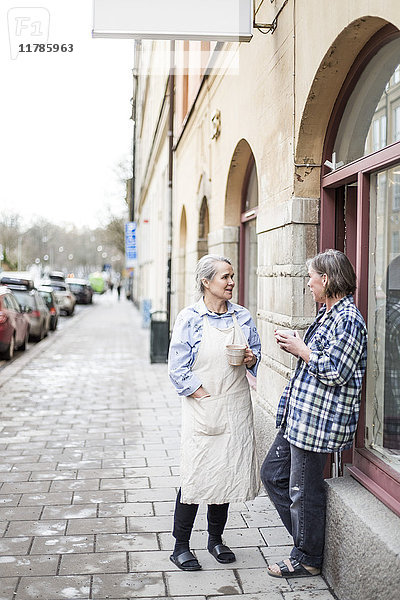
(318, 411)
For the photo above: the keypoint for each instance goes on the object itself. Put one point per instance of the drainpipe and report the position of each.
(171, 85)
(134, 118)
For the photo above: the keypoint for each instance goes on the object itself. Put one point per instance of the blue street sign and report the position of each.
(130, 244)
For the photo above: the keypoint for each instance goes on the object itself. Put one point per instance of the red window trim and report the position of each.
(371, 471)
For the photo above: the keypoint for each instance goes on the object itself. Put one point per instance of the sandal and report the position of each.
(298, 570)
(182, 560)
(223, 554)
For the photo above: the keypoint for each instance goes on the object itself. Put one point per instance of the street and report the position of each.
(89, 447)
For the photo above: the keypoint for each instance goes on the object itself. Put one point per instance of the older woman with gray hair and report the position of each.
(318, 411)
(218, 458)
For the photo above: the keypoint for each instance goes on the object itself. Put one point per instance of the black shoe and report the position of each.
(223, 554)
(186, 561)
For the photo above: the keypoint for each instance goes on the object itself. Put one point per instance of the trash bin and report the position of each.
(159, 336)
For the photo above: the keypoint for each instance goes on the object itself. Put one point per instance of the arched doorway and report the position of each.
(241, 208)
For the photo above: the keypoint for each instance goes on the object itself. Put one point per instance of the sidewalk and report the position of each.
(89, 455)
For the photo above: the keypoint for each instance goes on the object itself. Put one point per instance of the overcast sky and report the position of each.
(64, 117)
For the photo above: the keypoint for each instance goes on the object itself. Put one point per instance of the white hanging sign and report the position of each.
(215, 20)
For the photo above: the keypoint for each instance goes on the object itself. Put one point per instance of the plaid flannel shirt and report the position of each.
(319, 407)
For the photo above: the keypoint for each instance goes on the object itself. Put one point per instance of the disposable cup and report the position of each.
(235, 354)
(286, 332)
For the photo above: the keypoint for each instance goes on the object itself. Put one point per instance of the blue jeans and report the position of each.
(294, 481)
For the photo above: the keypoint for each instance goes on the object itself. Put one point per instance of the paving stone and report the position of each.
(151, 524)
(308, 595)
(164, 482)
(81, 485)
(53, 475)
(124, 484)
(132, 585)
(151, 494)
(99, 473)
(8, 585)
(15, 546)
(25, 487)
(202, 582)
(97, 497)
(258, 581)
(127, 509)
(103, 525)
(65, 544)
(12, 513)
(276, 536)
(126, 542)
(162, 471)
(65, 587)
(133, 462)
(22, 566)
(9, 500)
(268, 518)
(27, 528)
(107, 562)
(45, 499)
(164, 508)
(78, 511)
(273, 554)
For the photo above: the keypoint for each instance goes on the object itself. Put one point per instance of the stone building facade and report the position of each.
(278, 148)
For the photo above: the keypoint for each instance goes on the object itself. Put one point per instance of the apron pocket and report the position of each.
(210, 416)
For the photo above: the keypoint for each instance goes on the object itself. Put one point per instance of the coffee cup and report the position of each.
(235, 354)
(285, 332)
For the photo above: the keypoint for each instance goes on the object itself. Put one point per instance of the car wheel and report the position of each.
(25, 342)
(9, 353)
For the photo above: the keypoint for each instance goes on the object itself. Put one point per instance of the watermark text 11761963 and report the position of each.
(45, 47)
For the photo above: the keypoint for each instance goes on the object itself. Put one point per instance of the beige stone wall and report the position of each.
(280, 103)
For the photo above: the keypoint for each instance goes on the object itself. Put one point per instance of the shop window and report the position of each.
(360, 215)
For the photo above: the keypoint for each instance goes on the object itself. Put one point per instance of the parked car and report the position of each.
(81, 289)
(30, 301)
(14, 324)
(56, 276)
(65, 298)
(51, 301)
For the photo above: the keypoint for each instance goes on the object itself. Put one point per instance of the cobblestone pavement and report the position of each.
(89, 472)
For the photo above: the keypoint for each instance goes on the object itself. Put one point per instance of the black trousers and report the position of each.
(185, 514)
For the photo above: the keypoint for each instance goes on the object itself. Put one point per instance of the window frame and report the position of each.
(370, 470)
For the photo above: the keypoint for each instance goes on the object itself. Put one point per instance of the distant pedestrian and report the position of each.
(318, 411)
(119, 290)
(218, 460)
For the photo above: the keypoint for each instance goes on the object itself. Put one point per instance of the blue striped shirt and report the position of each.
(186, 338)
(320, 406)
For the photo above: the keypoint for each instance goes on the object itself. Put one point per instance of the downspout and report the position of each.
(171, 85)
(134, 119)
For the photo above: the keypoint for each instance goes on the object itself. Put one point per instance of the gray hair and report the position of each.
(206, 269)
(338, 268)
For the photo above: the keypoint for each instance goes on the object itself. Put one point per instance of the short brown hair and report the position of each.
(338, 268)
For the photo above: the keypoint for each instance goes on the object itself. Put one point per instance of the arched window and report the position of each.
(360, 214)
(204, 229)
(248, 240)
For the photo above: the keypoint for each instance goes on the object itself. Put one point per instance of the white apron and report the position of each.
(218, 455)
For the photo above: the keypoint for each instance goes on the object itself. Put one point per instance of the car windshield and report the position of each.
(25, 298)
(58, 288)
(76, 287)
